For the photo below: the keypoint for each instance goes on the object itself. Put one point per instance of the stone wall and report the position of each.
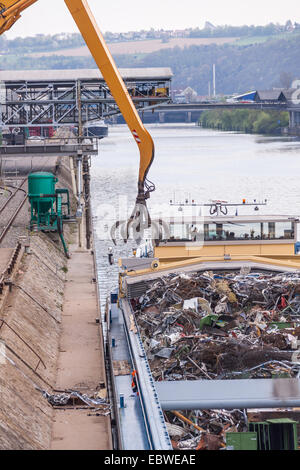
(30, 339)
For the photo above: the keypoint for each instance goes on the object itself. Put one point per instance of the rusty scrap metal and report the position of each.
(204, 429)
(69, 397)
(219, 325)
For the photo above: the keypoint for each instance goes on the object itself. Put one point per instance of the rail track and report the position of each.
(12, 206)
(14, 203)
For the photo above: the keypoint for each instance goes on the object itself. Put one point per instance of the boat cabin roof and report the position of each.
(232, 229)
(231, 219)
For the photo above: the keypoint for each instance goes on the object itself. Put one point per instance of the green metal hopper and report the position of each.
(46, 204)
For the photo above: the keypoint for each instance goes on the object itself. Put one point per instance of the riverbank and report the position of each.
(246, 120)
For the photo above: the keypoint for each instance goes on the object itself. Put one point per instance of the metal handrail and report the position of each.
(85, 141)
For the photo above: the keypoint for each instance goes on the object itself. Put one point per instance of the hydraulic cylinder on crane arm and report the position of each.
(10, 12)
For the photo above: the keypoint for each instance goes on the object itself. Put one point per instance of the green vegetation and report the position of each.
(248, 40)
(16, 62)
(270, 29)
(47, 42)
(257, 60)
(246, 120)
(274, 63)
(41, 42)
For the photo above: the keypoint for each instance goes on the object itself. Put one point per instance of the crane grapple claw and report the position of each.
(136, 226)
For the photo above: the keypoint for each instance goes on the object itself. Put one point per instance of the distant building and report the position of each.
(282, 95)
(190, 95)
(289, 26)
(179, 98)
(270, 95)
(248, 96)
(209, 25)
(178, 33)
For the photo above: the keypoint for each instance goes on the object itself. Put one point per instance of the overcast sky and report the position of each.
(52, 16)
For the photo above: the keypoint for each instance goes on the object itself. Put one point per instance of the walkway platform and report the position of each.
(131, 423)
(81, 364)
(46, 149)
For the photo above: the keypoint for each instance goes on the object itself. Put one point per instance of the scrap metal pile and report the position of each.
(221, 325)
(224, 325)
(203, 429)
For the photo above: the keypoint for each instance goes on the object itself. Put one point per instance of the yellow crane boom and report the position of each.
(10, 12)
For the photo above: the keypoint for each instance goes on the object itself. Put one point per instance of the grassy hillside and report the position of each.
(137, 47)
(249, 40)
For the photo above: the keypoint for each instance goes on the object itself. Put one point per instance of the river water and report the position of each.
(195, 163)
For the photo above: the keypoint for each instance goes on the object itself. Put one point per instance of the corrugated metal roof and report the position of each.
(232, 219)
(288, 93)
(83, 74)
(269, 95)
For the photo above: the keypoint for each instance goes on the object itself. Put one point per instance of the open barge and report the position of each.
(243, 246)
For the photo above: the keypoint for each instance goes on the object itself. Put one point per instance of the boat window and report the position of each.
(231, 231)
(186, 232)
(249, 231)
(278, 230)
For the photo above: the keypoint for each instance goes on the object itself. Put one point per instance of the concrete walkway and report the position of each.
(81, 364)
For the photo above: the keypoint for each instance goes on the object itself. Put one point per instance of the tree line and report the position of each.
(52, 42)
(40, 43)
(245, 120)
(245, 30)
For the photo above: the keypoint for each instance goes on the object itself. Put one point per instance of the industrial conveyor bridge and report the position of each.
(35, 98)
